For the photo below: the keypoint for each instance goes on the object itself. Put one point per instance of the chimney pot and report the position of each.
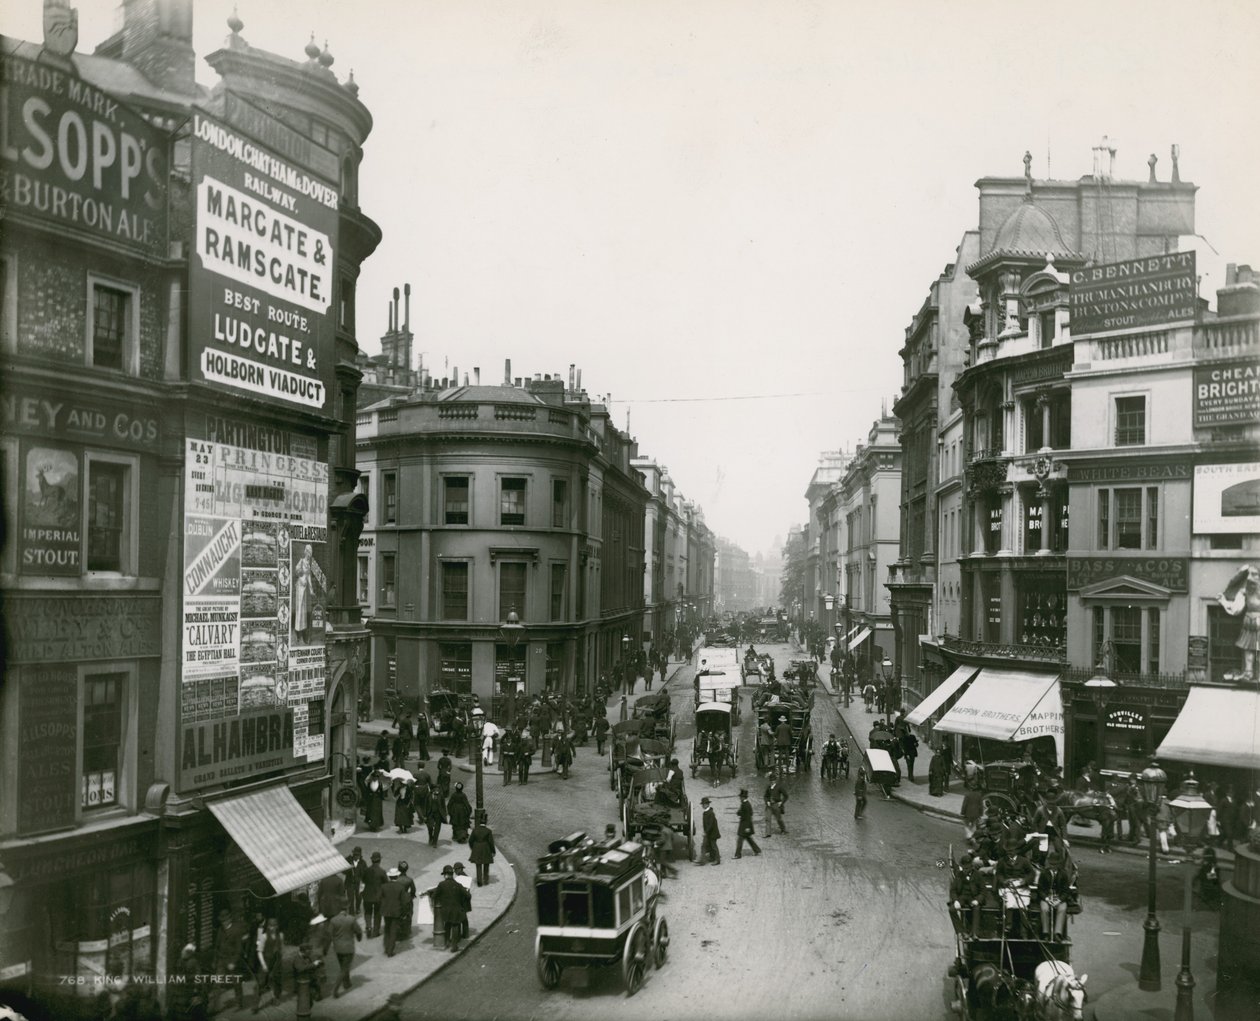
(518, 381)
(507, 371)
(477, 375)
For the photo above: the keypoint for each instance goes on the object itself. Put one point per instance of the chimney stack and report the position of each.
(407, 307)
(578, 386)
(570, 375)
(477, 375)
(507, 371)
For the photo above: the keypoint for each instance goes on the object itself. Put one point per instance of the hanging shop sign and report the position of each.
(1227, 393)
(48, 744)
(1227, 498)
(261, 275)
(1170, 572)
(1133, 293)
(255, 594)
(1197, 652)
(76, 158)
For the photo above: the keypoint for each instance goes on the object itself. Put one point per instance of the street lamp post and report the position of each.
(1153, 780)
(1099, 686)
(625, 664)
(885, 671)
(1190, 813)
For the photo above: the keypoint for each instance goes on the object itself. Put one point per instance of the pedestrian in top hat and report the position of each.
(464, 880)
(745, 829)
(354, 879)
(454, 902)
(409, 898)
(373, 880)
(481, 849)
(709, 853)
(433, 816)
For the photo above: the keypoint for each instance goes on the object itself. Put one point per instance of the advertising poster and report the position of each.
(1227, 498)
(1227, 393)
(52, 523)
(261, 275)
(255, 597)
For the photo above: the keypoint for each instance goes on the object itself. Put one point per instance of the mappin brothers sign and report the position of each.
(262, 271)
(77, 158)
(1134, 293)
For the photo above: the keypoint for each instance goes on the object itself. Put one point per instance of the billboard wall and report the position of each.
(1227, 393)
(261, 274)
(255, 592)
(1133, 293)
(1227, 498)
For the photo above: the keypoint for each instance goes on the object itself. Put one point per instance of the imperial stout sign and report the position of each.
(261, 274)
(76, 157)
(1136, 292)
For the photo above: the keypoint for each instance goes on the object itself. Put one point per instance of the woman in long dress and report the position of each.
(306, 575)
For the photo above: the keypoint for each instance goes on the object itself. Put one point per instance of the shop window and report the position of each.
(455, 590)
(512, 577)
(512, 502)
(365, 589)
(1061, 420)
(389, 582)
(991, 589)
(1034, 438)
(1045, 327)
(98, 923)
(559, 503)
(1131, 421)
(455, 499)
(1042, 609)
(389, 497)
(1126, 639)
(455, 662)
(559, 591)
(107, 507)
(102, 739)
(1058, 523)
(555, 666)
(1128, 519)
(113, 340)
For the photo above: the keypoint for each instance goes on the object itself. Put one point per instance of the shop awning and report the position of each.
(863, 635)
(1217, 726)
(852, 631)
(279, 837)
(1009, 705)
(940, 694)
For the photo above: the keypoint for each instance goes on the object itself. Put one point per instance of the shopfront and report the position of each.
(1117, 729)
(81, 909)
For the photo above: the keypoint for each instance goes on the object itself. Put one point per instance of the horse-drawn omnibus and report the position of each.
(598, 905)
(716, 741)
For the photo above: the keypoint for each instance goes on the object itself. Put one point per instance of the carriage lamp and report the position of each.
(1153, 780)
(1190, 813)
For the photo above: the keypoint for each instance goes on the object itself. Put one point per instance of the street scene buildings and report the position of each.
(289, 620)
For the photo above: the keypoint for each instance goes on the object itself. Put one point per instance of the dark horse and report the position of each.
(713, 749)
(1093, 806)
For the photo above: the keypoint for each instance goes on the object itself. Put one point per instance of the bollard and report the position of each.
(303, 983)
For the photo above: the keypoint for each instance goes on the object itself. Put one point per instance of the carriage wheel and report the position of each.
(549, 970)
(661, 943)
(634, 960)
(1008, 803)
(961, 1005)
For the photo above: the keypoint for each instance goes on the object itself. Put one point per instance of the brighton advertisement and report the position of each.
(255, 593)
(261, 273)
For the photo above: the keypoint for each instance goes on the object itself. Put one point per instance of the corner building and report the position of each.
(179, 490)
(519, 496)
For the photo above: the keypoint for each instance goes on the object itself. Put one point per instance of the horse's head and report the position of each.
(1072, 996)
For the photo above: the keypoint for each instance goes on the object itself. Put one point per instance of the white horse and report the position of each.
(1060, 992)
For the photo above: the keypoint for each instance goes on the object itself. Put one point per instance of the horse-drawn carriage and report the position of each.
(650, 805)
(803, 671)
(445, 707)
(716, 741)
(629, 751)
(598, 905)
(718, 686)
(655, 717)
(794, 710)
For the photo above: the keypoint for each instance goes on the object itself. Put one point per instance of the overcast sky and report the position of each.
(733, 199)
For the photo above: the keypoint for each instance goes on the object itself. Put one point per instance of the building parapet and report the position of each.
(1075, 675)
(1005, 652)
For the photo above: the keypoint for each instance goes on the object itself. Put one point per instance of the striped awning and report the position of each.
(939, 695)
(1218, 727)
(279, 837)
(863, 635)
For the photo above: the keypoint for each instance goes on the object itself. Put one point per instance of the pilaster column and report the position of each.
(1010, 513)
(1043, 493)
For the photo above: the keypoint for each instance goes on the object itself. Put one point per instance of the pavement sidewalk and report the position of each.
(378, 979)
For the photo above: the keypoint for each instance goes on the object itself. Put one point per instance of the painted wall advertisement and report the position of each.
(76, 157)
(1136, 292)
(1227, 393)
(261, 277)
(255, 529)
(48, 713)
(1227, 498)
